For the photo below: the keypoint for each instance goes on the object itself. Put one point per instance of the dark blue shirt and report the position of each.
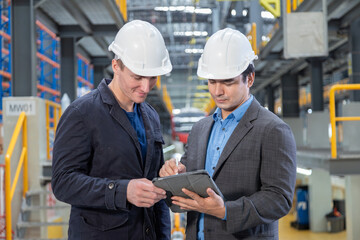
(136, 121)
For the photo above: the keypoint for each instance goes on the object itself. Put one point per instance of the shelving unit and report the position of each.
(47, 63)
(85, 75)
(5, 46)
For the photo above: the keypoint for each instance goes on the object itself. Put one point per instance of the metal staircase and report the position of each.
(34, 220)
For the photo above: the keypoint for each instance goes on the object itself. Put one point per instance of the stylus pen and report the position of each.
(177, 160)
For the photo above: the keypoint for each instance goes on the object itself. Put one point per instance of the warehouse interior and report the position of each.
(308, 73)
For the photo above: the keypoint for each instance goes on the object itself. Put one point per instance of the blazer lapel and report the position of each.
(150, 138)
(118, 113)
(202, 150)
(243, 127)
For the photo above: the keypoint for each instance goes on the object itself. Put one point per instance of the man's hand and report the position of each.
(212, 205)
(169, 168)
(143, 193)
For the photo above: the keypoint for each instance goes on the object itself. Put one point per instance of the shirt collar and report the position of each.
(237, 113)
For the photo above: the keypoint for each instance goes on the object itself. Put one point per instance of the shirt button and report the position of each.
(223, 129)
(111, 185)
(213, 167)
(147, 230)
(217, 148)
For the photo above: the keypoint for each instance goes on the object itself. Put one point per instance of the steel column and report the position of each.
(317, 100)
(255, 16)
(98, 75)
(355, 53)
(23, 45)
(68, 67)
(270, 98)
(290, 96)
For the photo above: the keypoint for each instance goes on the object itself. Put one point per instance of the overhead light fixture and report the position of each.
(244, 12)
(233, 12)
(194, 50)
(176, 111)
(192, 33)
(188, 9)
(266, 14)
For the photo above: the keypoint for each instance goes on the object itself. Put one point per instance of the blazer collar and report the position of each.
(243, 127)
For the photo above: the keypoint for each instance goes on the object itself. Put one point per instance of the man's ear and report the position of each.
(251, 78)
(115, 66)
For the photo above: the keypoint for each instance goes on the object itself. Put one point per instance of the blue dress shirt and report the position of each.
(220, 134)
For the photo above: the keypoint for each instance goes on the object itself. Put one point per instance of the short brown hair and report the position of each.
(121, 64)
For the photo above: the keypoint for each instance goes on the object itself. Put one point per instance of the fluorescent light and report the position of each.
(192, 33)
(233, 12)
(188, 9)
(266, 14)
(194, 50)
(244, 12)
(304, 171)
(203, 11)
(176, 111)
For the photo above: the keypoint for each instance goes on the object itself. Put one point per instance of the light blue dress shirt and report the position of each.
(220, 134)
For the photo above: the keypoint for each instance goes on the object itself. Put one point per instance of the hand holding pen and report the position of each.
(172, 166)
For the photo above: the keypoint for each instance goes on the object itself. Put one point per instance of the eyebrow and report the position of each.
(229, 80)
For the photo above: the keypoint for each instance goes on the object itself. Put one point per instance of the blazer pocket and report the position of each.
(104, 221)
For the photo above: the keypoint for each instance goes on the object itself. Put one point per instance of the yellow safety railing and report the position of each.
(56, 117)
(333, 118)
(23, 163)
(177, 227)
(167, 99)
(292, 4)
(123, 8)
(252, 38)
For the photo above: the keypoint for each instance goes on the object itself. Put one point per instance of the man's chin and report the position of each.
(140, 99)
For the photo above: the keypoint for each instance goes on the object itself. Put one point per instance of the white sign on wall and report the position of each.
(14, 108)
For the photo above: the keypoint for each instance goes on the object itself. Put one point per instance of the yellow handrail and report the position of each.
(333, 118)
(23, 162)
(55, 119)
(177, 227)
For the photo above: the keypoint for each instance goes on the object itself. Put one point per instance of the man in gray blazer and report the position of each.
(249, 152)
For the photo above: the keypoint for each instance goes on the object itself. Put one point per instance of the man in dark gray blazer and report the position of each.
(249, 151)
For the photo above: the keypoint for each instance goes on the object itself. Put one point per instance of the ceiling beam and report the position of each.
(103, 45)
(114, 12)
(97, 30)
(78, 15)
(100, 61)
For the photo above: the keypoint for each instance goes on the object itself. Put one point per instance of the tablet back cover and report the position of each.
(196, 181)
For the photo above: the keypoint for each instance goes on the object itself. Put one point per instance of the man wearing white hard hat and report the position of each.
(249, 152)
(108, 146)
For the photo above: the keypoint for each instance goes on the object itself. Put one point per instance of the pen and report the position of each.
(177, 160)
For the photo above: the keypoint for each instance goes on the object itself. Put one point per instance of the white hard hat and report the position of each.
(226, 55)
(141, 48)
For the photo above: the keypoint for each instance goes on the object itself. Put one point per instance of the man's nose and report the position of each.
(145, 85)
(218, 89)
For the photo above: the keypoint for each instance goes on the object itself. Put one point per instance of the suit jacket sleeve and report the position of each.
(71, 160)
(277, 175)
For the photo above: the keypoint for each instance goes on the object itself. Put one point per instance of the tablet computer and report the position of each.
(196, 181)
